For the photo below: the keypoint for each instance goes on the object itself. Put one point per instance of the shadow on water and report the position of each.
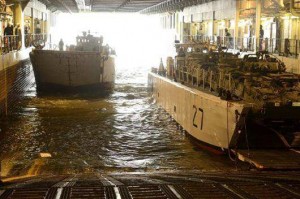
(77, 94)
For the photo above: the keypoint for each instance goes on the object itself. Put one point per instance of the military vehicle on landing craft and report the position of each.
(230, 102)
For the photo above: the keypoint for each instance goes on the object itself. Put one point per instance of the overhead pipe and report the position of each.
(172, 5)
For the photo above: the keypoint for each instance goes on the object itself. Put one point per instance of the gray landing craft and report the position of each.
(228, 102)
(87, 65)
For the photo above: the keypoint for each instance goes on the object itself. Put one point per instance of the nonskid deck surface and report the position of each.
(279, 159)
(158, 185)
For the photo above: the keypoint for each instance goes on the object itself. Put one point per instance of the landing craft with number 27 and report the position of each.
(228, 102)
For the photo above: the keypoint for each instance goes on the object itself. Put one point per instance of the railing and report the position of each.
(10, 43)
(283, 47)
(30, 38)
(206, 79)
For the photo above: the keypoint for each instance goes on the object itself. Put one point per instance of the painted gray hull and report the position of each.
(71, 69)
(204, 116)
(227, 124)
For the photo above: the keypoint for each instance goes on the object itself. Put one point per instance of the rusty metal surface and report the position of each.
(271, 159)
(159, 186)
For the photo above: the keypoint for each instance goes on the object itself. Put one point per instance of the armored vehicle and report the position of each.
(230, 102)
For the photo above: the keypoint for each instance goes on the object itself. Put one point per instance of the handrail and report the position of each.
(9, 43)
(284, 47)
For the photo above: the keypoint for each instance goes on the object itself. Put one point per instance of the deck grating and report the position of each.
(51, 194)
(110, 193)
(6, 194)
(28, 193)
(263, 185)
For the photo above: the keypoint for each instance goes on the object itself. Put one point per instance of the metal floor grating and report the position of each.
(263, 190)
(143, 186)
(150, 191)
(204, 190)
(84, 192)
(28, 193)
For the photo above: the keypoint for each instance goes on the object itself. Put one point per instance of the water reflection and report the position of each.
(123, 131)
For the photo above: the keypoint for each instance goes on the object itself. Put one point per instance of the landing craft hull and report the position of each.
(204, 116)
(71, 70)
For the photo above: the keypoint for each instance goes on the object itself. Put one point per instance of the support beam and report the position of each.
(19, 19)
(122, 5)
(236, 25)
(22, 2)
(92, 4)
(80, 4)
(65, 6)
(257, 24)
(75, 2)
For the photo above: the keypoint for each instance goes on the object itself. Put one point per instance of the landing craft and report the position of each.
(87, 65)
(231, 103)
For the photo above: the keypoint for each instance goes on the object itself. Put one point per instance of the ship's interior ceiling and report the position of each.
(74, 6)
(143, 6)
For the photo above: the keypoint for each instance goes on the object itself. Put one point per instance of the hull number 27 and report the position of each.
(196, 110)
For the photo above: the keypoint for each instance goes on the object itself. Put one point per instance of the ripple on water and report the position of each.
(124, 131)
